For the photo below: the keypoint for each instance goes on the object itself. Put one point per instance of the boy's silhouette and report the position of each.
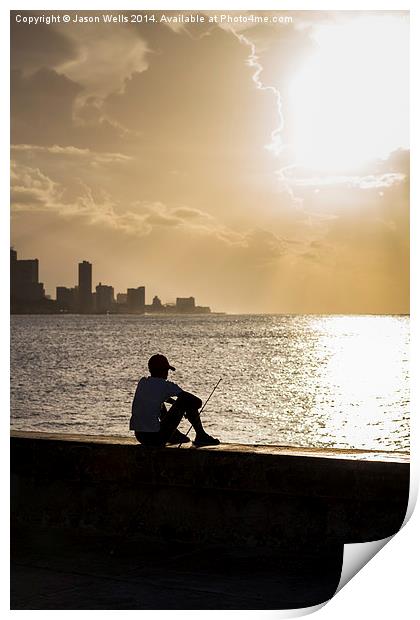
(152, 424)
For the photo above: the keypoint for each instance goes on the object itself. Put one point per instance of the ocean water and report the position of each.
(321, 381)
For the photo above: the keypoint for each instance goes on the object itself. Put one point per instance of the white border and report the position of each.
(386, 587)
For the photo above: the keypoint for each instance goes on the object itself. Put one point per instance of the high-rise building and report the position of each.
(104, 298)
(24, 285)
(136, 300)
(85, 287)
(185, 304)
(66, 299)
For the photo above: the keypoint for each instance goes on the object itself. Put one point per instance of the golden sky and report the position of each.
(257, 167)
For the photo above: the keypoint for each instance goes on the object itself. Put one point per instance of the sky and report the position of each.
(257, 167)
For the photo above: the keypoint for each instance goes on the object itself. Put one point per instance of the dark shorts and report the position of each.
(151, 439)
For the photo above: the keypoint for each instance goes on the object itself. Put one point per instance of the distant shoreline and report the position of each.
(201, 314)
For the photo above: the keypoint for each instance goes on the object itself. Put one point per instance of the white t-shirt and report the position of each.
(151, 392)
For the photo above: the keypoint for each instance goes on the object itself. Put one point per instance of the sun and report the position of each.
(349, 100)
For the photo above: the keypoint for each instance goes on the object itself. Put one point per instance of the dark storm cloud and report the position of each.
(43, 113)
(32, 48)
(171, 99)
(42, 107)
(178, 99)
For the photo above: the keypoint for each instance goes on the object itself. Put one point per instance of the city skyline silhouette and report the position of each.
(27, 294)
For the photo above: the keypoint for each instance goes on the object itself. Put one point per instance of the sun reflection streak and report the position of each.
(363, 376)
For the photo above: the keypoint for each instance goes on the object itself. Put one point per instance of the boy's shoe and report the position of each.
(206, 440)
(177, 437)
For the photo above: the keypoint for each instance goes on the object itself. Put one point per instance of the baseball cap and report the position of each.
(159, 362)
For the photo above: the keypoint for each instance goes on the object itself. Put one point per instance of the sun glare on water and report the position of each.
(349, 98)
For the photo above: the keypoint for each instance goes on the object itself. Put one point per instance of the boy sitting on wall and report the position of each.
(152, 424)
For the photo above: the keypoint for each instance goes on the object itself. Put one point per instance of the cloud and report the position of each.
(70, 152)
(32, 190)
(397, 161)
(106, 56)
(363, 250)
(195, 103)
(40, 46)
(371, 181)
(187, 219)
(358, 196)
(188, 213)
(43, 107)
(360, 247)
(97, 56)
(264, 248)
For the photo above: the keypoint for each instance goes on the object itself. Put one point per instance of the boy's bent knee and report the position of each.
(189, 400)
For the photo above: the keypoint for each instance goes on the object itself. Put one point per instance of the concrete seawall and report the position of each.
(230, 494)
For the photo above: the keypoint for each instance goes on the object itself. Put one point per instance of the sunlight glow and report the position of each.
(365, 372)
(349, 101)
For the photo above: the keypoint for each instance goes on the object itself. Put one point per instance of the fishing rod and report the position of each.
(202, 408)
